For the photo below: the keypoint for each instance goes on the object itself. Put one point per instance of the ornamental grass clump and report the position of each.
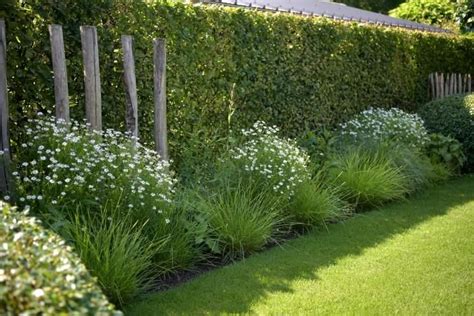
(241, 219)
(116, 251)
(315, 204)
(65, 169)
(367, 178)
(389, 126)
(40, 274)
(271, 161)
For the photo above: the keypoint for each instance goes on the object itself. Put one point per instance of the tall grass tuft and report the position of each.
(314, 204)
(116, 251)
(368, 178)
(241, 219)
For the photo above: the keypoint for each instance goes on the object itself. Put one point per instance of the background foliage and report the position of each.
(453, 116)
(456, 15)
(295, 72)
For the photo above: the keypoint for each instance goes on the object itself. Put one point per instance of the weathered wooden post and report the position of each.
(431, 79)
(90, 52)
(131, 103)
(6, 185)
(58, 57)
(469, 83)
(459, 83)
(159, 61)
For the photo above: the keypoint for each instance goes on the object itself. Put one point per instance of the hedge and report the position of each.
(292, 71)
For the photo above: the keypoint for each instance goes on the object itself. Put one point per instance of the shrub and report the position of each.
(212, 52)
(318, 145)
(241, 219)
(65, 170)
(380, 125)
(116, 251)
(453, 116)
(270, 161)
(39, 273)
(465, 15)
(314, 204)
(437, 12)
(445, 150)
(367, 178)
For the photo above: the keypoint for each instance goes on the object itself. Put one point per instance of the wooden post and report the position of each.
(159, 61)
(452, 84)
(131, 103)
(5, 179)
(60, 73)
(90, 52)
(459, 83)
(441, 80)
(448, 84)
(432, 85)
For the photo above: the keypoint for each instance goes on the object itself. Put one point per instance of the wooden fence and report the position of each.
(443, 85)
(90, 53)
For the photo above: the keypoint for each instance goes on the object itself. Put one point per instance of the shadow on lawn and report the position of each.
(234, 288)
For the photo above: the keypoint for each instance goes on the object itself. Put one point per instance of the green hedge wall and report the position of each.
(292, 71)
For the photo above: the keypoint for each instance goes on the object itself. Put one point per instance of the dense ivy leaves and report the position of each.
(226, 66)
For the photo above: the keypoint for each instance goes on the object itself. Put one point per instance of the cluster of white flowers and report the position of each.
(64, 165)
(276, 162)
(387, 125)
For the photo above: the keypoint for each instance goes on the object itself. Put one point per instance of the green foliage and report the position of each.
(241, 219)
(382, 6)
(453, 116)
(436, 12)
(294, 72)
(445, 150)
(318, 145)
(314, 204)
(465, 15)
(40, 274)
(368, 178)
(116, 251)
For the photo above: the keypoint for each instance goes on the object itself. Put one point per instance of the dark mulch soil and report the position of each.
(175, 279)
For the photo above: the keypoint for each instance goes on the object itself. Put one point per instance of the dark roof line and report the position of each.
(336, 11)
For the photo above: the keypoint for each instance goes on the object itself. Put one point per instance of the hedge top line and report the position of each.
(336, 11)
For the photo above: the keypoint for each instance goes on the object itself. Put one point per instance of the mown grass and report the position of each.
(413, 257)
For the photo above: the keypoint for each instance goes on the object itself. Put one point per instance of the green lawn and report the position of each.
(413, 257)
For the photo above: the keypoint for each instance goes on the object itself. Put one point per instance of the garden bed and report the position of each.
(412, 257)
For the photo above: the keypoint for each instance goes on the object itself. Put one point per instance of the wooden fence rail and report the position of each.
(90, 52)
(443, 85)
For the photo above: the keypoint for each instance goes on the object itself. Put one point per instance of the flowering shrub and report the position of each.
(68, 168)
(393, 125)
(270, 160)
(39, 273)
